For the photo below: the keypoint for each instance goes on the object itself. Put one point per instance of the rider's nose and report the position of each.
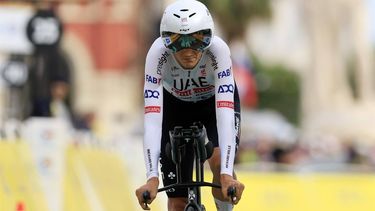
(187, 52)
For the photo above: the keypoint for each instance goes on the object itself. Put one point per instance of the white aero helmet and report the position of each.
(187, 24)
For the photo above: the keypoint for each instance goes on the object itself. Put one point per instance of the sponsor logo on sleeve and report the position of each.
(152, 94)
(149, 160)
(225, 104)
(223, 74)
(152, 109)
(226, 88)
(162, 61)
(213, 58)
(228, 156)
(151, 79)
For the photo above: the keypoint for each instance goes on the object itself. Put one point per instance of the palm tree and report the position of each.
(234, 15)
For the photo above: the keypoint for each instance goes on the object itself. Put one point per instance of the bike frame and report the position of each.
(194, 136)
(182, 137)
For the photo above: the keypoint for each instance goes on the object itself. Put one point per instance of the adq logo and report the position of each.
(151, 94)
(226, 88)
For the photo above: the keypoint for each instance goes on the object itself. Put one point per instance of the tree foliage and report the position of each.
(278, 89)
(234, 15)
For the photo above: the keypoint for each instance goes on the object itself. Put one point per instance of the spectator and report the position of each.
(56, 105)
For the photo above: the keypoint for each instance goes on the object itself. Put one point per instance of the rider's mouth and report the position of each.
(189, 59)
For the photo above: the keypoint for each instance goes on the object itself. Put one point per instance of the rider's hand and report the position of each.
(228, 181)
(152, 187)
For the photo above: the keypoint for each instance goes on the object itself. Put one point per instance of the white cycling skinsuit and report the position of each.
(212, 76)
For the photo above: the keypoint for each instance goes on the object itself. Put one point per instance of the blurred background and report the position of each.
(71, 102)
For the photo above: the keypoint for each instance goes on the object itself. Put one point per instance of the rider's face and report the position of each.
(188, 58)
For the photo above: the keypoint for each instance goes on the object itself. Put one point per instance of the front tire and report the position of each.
(191, 208)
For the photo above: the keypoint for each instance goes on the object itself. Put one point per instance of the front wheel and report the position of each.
(191, 207)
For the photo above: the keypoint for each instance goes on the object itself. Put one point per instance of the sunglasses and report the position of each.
(197, 41)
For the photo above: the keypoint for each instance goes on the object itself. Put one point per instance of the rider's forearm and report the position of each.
(151, 149)
(226, 141)
(152, 127)
(224, 96)
(226, 125)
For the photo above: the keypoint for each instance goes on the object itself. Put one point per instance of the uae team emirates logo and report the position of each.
(152, 109)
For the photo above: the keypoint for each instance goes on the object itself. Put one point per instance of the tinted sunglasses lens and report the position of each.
(197, 41)
(170, 38)
(203, 39)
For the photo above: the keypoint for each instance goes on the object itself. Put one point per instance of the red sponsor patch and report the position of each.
(225, 104)
(152, 109)
(183, 93)
(203, 89)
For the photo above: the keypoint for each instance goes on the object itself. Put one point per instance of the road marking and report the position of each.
(88, 188)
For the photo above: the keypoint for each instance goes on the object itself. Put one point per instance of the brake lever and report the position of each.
(146, 197)
(232, 193)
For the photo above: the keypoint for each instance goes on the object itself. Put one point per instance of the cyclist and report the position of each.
(188, 78)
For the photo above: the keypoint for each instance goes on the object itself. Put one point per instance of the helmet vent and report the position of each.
(192, 15)
(176, 15)
(184, 10)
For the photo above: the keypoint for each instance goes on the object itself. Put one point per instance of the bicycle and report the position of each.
(193, 136)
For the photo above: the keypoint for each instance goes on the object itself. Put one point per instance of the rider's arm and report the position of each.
(153, 110)
(224, 92)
